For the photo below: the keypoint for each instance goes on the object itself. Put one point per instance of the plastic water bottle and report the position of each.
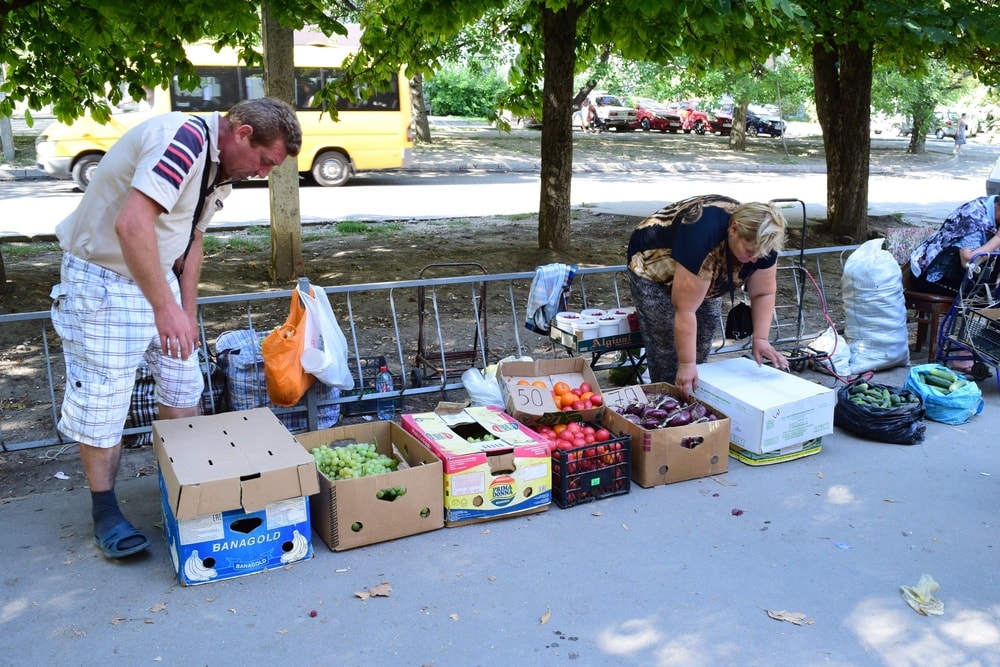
(385, 407)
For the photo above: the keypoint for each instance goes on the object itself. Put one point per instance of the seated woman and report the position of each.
(938, 264)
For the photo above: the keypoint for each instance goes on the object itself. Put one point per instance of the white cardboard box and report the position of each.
(770, 410)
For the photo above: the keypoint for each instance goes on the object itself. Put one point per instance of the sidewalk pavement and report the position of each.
(666, 576)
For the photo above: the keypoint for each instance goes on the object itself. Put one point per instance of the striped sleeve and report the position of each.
(181, 153)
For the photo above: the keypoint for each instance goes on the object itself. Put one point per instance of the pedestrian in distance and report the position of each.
(682, 260)
(132, 254)
(960, 131)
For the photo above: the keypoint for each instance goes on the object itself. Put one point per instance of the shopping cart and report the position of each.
(970, 330)
(439, 363)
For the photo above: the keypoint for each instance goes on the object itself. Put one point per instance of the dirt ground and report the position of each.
(238, 264)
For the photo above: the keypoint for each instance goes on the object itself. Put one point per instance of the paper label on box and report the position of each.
(468, 484)
(205, 528)
(530, 399)
(537, 471)
(622, 396)
(285, 513)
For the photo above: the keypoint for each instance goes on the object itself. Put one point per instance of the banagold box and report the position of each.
(771, 410)
(348, 513)
(234, 491)
(485, 479)
(672, 454)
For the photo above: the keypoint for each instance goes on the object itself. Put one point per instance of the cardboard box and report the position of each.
(347, 513)
(490, 479)
(234, 493)
(534, 406)
(674, 454)
(770, 410)
(233, 460)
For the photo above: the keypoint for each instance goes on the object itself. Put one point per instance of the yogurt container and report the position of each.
(593, 313)
(567, 320)
(608, 326)
(586, 329)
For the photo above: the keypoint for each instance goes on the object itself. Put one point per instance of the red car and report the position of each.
(651, 115)
(700, 122)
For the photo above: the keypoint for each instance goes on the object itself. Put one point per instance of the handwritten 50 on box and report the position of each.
(348, 513)
(533, 405)
(771, 410)
(671, 454)
(485, 479)
(234, 492)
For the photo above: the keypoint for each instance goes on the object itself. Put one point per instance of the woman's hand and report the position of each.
(687, 379)
(762, 349)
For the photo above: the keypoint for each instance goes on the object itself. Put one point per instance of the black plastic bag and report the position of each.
(902, 425)
(739, 322)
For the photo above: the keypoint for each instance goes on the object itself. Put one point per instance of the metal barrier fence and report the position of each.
(386, 320)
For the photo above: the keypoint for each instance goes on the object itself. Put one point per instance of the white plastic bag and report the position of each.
(834, 351)
(875, 309)
(483, 390)
(325, 354)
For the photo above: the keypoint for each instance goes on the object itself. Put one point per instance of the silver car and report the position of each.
(993, 180)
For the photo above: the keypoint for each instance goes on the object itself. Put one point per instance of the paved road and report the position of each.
(32, 208)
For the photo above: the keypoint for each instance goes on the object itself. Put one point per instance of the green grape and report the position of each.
(351, 461)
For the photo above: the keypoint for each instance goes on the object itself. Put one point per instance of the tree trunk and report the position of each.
(418, 104)
(738, 137)
(283, 183)
(842, 77)
(558, 33)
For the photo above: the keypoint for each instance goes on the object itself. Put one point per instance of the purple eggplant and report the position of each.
(681, 417)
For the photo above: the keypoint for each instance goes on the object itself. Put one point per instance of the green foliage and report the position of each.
(79, 56)
(464, 90)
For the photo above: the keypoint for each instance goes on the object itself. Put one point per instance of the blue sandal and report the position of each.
(108, 543)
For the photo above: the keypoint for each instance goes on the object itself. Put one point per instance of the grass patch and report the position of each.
(24, 152)
(520, 216)
(216, 244)
(371, 230)
(21, 250)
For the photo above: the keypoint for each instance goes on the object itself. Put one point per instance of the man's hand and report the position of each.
(178, 336)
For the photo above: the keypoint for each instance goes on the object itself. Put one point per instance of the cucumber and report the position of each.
(935, 380)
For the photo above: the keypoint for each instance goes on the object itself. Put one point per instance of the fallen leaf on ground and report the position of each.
(117, 620)
(382, 590)
(545, 617)
(796, 617)
(159, 606)
(453, 617)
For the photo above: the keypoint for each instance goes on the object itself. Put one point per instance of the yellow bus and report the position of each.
(376, 133)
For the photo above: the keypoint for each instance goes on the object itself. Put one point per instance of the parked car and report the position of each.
(692, 119)
(612, 113)
(719, 123)
(993, 180)
(651, 115)
(773, 127)
(948, 124)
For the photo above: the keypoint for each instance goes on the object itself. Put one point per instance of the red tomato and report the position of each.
(573, 427)
(596, 400)
(589, 430)
(577, 405)
(603, 434)
(589, 438)
(567, 436)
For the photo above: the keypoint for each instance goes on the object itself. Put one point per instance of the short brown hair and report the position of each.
(271, 119)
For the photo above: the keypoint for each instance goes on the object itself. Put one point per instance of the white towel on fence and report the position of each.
(548, 295)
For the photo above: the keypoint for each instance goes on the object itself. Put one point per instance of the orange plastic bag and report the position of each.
(282, 349)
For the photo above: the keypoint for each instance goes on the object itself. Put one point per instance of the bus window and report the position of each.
(307, 82)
